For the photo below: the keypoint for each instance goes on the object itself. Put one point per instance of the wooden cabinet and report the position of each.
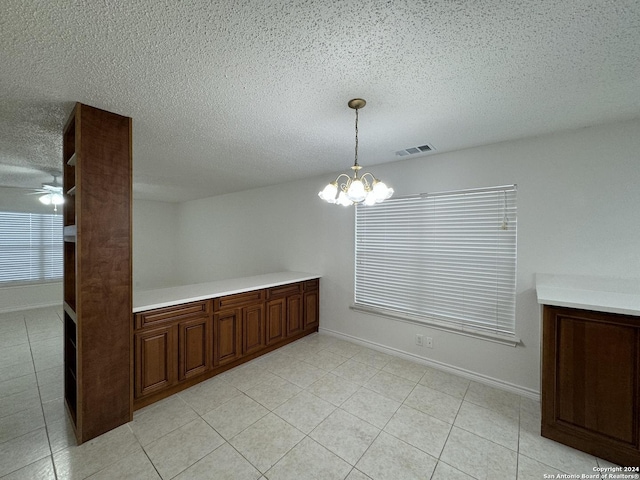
(253, 329)
(239, 331)
(275, 322)
(97, 270)
(294, 314)
(171, 353)
(239, 327)
(194, 347)
(311, 304)
(156, 361)
(179, 346)
(591, 382)
(173, 314)
(285, 311)
(172, 344)
(292, 309)
(226, 336)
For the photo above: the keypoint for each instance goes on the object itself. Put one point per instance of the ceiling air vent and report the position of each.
(413, 150)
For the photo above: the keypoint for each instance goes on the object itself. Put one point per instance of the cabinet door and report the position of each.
(226, 336)
(591, 370)
(156, 360)
(253, 330)
(311, 310)
(276, 320)
(194, 347)
(294, 314)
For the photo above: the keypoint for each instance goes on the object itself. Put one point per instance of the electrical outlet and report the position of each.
(419, 339)
(429, 342)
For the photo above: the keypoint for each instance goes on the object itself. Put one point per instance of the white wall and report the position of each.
(23, 200)
(578, 206)
(23, 297)
(155, 250)
(253, 232)
(155, 245)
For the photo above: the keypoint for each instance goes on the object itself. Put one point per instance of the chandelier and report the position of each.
(365, 189)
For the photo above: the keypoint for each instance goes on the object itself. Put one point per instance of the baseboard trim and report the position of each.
(468, 374)
(22, 308)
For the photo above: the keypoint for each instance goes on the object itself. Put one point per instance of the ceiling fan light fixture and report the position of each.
(52, 194)
(365, 189)
(57, 199)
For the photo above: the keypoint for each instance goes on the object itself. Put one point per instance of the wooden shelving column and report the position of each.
(97, 271)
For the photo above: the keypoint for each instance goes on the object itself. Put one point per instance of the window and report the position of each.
(30, 247)
(447, 259)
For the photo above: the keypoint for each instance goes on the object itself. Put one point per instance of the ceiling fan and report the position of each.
(51, 193)
(18, 187)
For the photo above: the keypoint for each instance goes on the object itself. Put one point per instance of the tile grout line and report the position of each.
(518, 442)
(335, 408)
(228, 441)
(44, 419)
(452, 425)
(380, 430)
(403, 404)
(353, 467)
(306, 435)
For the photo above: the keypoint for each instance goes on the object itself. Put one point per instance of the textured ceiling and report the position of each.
(229, 95)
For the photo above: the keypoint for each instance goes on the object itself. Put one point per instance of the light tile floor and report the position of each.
(318, 408)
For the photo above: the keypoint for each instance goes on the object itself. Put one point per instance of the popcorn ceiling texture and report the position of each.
(227, 95)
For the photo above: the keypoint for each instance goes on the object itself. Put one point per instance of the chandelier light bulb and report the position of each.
(329, 193)
(344, 200)
(381, 191)
(57, 199)
(356, 192)
(45, 199)
(370, 199)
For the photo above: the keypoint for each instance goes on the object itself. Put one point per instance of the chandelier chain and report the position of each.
(356, 159)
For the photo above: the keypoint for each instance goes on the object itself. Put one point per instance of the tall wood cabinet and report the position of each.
(97, 270)
(591, 382)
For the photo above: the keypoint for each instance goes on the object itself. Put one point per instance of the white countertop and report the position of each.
(166, 297)
(602, 294)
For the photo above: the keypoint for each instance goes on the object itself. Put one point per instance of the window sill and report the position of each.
(510, 340)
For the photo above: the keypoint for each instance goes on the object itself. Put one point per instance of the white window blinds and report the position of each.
(448, 257)
(30, 247)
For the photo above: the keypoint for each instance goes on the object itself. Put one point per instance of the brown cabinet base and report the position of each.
(156, 359)
(193, 347)
(179, 346)
(166, 392)
(591, 382)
